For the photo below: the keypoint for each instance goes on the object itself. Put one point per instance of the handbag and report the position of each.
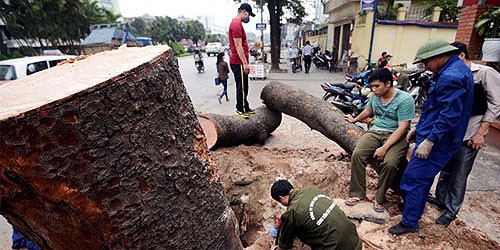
(217, 81)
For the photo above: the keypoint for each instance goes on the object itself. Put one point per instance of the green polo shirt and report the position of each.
(312, 217)
(386, 116)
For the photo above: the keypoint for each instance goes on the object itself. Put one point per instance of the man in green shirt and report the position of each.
(312, 217)
(393, 110)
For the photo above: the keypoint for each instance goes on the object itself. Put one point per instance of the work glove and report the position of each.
(424, 149)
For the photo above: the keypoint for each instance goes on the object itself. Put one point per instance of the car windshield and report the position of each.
(7, 72)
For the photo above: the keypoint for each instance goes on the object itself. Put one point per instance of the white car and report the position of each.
(214, 48)
(21, 67)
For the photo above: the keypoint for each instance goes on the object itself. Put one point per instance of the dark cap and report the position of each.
(247, 7)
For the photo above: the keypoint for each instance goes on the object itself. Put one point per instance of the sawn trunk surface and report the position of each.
(107, 153)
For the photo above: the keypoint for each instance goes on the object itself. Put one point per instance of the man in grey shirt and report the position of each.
(450, 190)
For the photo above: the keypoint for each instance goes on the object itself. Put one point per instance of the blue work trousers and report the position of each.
(417, 181)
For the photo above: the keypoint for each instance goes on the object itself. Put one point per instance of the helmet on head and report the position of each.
(432, 48)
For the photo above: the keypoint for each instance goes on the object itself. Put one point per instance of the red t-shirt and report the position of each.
(236, 31)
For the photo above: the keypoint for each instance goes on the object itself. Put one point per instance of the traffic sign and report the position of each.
(260, 26)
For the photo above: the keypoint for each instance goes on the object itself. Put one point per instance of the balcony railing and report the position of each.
(419, 13)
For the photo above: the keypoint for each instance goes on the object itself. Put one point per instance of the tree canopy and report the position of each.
(52, 22)
(166, 29)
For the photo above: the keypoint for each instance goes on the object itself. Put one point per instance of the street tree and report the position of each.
(194, 31)
(291, 10)
(52, 23)
(138, 27)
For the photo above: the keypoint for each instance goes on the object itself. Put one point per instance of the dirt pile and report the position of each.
(306, 158)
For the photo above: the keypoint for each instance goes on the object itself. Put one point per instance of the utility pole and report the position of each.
(375, 10)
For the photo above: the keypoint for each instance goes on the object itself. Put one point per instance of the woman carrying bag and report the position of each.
(223, 71)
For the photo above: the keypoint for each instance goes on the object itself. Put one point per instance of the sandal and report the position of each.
(379, 208)
(351, 201)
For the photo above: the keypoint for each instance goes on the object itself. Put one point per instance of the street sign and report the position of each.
(367, 4)
(260, 26)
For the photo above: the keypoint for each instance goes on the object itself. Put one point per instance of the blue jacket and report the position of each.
(19, 241)
(448, 107)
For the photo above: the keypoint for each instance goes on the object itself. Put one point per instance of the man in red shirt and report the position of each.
(238, 59)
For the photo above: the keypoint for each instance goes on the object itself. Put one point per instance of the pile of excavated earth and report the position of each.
(306, 158)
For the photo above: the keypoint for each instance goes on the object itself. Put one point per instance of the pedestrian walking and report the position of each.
(307, 51)
(440, 130)
(222, 71)
(452, 182)
(239, 58)
(312, 217)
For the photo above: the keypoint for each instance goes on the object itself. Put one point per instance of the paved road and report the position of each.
(203, 93)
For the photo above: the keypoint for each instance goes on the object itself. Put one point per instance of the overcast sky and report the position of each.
(221, 10)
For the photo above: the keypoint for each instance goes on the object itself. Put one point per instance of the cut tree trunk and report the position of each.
(316, 113)
(107, 153)
(229, 130)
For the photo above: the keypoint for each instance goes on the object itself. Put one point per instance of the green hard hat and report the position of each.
(432, 48)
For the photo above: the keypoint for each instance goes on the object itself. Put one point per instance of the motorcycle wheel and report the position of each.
(420, 101)
(335, 100)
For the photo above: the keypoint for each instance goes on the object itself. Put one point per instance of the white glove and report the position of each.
(424, 149)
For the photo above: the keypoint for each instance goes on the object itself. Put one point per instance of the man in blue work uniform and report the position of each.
(440, 130)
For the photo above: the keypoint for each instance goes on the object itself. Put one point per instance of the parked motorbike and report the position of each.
(322, 60)
(349, 97)
(420, 82)
(361, 78)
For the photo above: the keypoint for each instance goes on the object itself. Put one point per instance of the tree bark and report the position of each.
(274, 15)
(228, 130)
(316, 113)
(107, 153)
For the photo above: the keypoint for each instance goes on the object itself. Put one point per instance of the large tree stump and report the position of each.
(107, 153)
(316, 113)
(228, 130)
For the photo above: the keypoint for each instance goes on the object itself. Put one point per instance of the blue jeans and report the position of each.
(224, 90)
(450, 190)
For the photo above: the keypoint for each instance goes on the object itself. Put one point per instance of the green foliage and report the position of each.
(2, 57)
(165, 29)
(450, 10)
(138, 27)
(16, 54)
(177, 48)
(488, 24)
(53, 21)
(389, 13)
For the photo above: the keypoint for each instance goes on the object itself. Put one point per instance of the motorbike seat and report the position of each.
(344, 85)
